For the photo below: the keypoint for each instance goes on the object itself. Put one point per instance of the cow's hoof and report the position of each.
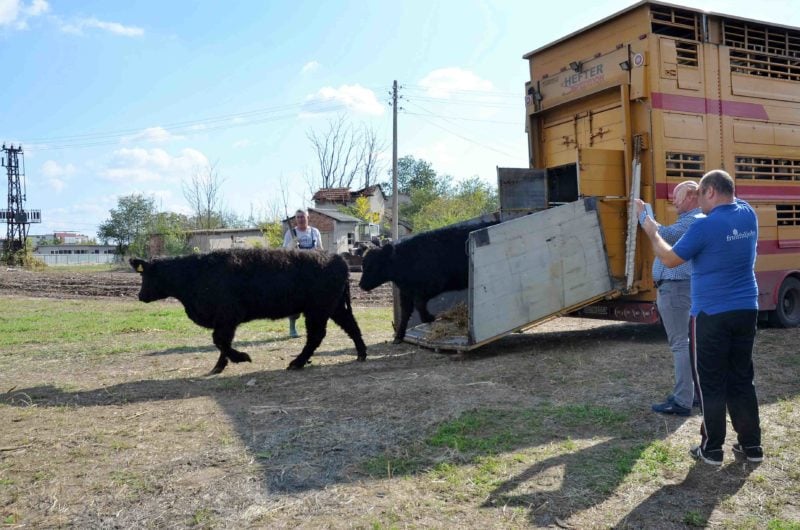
(241, 357)
(295, 365)
(216, 370)
(397, 341)
(361, 358)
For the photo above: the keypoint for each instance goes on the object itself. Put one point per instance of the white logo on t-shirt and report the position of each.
(741, 235)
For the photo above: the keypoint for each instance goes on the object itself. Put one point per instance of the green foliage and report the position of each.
(779, 524)
(468, 199)
(434, 202)
(360, 209)
(24, 257)
(169, 229)
(694, 518)
(273, 232)
(128, 221)
(413, 174)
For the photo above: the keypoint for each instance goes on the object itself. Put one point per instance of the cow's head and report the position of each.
(152, 289)
(376, 267)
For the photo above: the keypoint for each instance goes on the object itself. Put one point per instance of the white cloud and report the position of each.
(152, 165)
(352, 97)
(57, 185)
(154, 135)
(444, 81)
(52, 169)
(309, 67)
(78, 26)
(16, 13)
(37, 7)
(241, 144)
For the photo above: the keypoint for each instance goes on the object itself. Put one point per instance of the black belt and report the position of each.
(660, 282)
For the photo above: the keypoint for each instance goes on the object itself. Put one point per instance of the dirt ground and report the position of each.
(145, 441)
(125, 284)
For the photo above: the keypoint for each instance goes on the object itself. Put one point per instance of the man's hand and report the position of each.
(639, 206)
(650, 226)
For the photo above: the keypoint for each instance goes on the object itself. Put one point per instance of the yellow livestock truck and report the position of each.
(657, 94)
(628, 108)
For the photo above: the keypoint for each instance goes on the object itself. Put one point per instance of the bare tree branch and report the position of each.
(203, 192)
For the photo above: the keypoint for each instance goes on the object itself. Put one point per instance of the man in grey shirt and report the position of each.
(674, 299)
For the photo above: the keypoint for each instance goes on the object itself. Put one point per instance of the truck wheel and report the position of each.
(787, 312)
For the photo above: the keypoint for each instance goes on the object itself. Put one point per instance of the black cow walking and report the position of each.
(223, 289)
(422, 266)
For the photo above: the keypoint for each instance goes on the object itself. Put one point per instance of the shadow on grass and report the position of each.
(239, 345)
(462, 429)
(690, 503)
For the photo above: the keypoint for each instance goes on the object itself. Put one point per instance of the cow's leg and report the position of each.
(421, 304)
(406, 307)
(223, 337)
(315, 332)
(343, 316)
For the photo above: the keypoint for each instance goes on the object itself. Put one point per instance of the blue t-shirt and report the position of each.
(722, 247)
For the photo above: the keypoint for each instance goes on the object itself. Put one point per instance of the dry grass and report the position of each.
(453, 322)
(539, 430)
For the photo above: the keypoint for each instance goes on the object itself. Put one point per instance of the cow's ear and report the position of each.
(138, 265)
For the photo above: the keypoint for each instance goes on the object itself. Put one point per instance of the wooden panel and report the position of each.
(690, 78)
(535, 266)
(689, 126)
(753, 132)
(559, 141)
(601, 172)
(669, 59)
(777, 89)
(788, 135)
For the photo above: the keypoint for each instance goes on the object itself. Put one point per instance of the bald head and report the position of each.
(685, 196)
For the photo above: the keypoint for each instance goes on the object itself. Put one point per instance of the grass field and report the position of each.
(107, 421)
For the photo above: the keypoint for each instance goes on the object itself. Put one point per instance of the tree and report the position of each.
(419, 181)
(129, 220)
(171, 229)
(372, 148)
(346, 156)
(203, 192)
(468, 199)
(360, 210)
(413, 174)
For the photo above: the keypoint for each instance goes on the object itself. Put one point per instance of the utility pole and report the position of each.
(15, 215)
(395, 198)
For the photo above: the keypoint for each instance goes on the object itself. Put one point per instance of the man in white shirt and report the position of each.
(303, 237)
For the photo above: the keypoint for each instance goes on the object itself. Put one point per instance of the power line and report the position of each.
(491, 93)
(461, 118)
(461, 135)
(187, 128)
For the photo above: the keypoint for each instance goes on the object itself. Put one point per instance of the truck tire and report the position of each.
(787, 312)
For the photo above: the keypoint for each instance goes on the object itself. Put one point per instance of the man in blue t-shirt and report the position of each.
(722, 248)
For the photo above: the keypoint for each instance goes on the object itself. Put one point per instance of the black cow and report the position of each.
(422, 266)
(223, 289)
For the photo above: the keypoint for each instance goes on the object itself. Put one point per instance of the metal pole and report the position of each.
(395, 198)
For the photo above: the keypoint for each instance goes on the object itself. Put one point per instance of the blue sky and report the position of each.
(110, 98)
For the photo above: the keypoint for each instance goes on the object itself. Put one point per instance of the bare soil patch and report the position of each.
(53, 283)
(145, 441)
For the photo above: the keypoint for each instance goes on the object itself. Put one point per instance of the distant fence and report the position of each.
(76, 259)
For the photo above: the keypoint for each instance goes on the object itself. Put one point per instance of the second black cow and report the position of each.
(223, 289)
(422, 267)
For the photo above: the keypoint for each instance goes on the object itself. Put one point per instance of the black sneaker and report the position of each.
(714, 457)
(670, 407)
(753, 454)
